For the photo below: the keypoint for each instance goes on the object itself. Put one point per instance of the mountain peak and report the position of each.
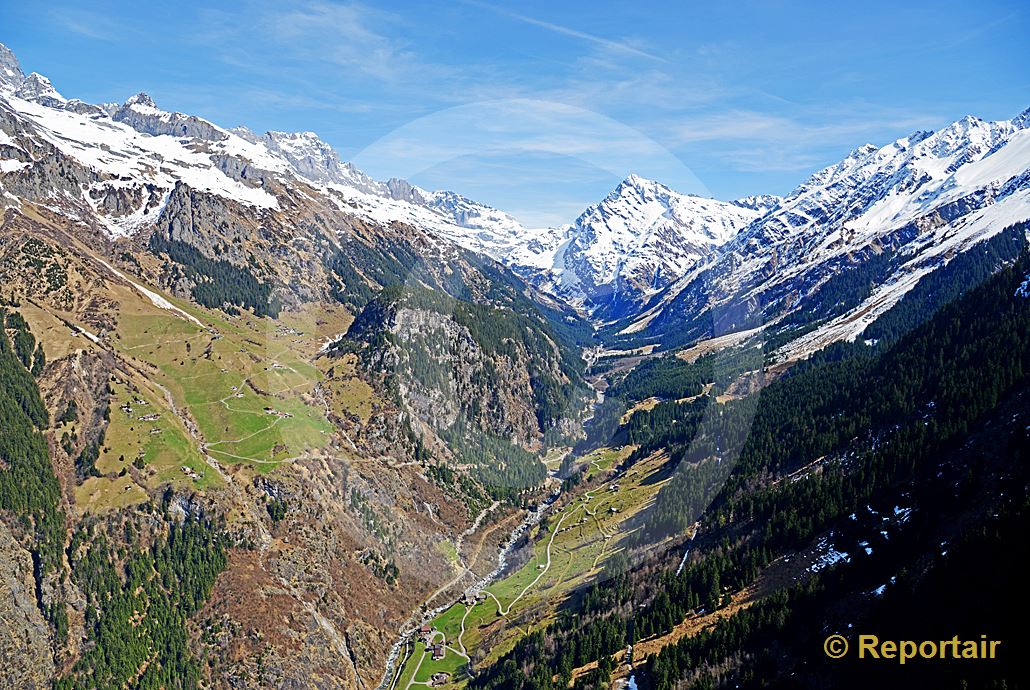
(763, 203)
(309, 137)
(10, 71)
(863, 150)
(36, 87)
(404, 191)
(637, 240)
(142, 99)
(641, 184)
(314, 159)
(634, 180)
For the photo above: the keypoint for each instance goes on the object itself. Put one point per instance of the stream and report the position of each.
(412, 623)
(532, 518)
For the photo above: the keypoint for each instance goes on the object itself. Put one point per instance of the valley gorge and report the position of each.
(269, 422)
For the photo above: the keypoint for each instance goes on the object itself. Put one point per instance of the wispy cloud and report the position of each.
(342, 35)
(96, 26)
(966, 35)
(754, 141)
(606, 43)
(296, 41)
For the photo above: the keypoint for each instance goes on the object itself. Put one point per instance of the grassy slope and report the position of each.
(268, 364)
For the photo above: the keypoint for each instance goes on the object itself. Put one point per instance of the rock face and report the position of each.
(497, 387)
(122, 200)
(459, 368)
(24, 635)
(142, 114)
(11, 75)
(38, 88)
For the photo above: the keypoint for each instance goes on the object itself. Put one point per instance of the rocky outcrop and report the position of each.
(241, 170)
(115, 200)
(24, 635)
(38, 89)
(142, 114)
(11, 75)
(210, 224)
(472, 373)
(493, 388)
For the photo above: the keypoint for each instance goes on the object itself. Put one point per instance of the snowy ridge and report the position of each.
(120, 152)
(927, 196)
(636, 241)
(645, 257)
(139, 151)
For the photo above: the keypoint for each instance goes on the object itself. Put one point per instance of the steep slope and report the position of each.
(878, 221)
(867, 487)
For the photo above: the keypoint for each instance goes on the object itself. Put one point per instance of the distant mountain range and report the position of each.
(646, 260)
(915, 204)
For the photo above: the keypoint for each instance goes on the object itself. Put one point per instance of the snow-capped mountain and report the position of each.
(136, 144)
(922, 199)
(645, 256)
(636, 241)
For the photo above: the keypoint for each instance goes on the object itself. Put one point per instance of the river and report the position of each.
(532, 518)
(411, 625)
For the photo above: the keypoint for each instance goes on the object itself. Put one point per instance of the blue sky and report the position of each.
(540, 108)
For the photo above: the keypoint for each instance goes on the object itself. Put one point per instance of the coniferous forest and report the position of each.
(894, 431)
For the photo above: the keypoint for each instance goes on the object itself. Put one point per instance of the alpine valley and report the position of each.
(268, 422)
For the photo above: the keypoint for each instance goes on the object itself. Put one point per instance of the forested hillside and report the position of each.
(138, 599)
(497, 381)
(29, 493)
(920, 433)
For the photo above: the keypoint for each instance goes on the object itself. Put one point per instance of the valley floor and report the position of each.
(585, 526)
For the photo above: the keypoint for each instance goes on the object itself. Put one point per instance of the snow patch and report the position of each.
(155, 299)
(828, 556)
